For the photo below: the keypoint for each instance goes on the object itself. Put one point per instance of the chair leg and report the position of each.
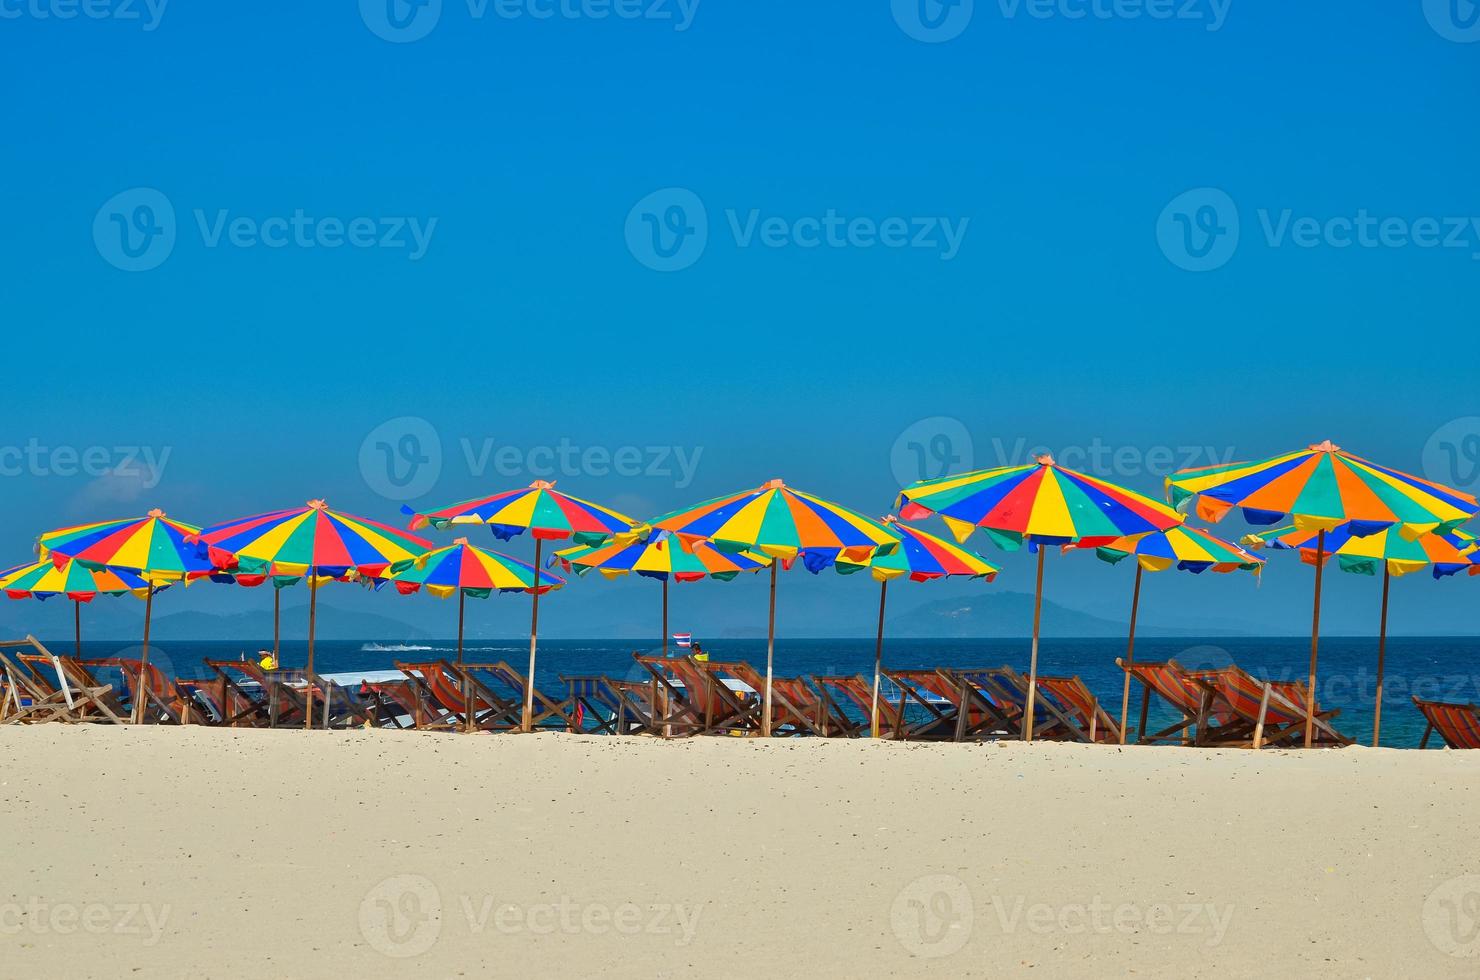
(1259, 726)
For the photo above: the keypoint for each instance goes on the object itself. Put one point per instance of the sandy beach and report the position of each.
(170, 852)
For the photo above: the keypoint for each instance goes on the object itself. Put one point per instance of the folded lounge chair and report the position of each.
(1457, 724)
(953, 708)
(1006, 692)
(1091, 723)
(1193, 703)
(695, 701)
(1263, 713)
(28, 698)
(859, 690)
(603, 706)
(795, 707)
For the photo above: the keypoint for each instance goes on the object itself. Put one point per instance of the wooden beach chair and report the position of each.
(499, 692)
(1262, 713)
(60, 673)
(29, 698)
(1091, 723)
(283, 702)
(611, 707)
(439, 698)
(1006, 691)
(1193, 702)
(1457, 724)
(795, 707)
(858, 690)
(698, 704)
(211, 701)
(952, 708)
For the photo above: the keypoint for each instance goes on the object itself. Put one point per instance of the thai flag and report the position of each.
(684, 640)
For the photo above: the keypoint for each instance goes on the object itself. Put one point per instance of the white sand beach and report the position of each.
(195, 852)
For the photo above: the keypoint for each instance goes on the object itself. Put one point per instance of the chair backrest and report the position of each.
(1173, 683)
(860, 691)
(1459, 724)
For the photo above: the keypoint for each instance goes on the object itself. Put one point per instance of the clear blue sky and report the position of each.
(528, 314)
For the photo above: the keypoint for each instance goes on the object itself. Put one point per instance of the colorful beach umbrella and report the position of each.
(311, 542)
(1041, 503)
(153, 547)
(785, 524)
(1187, 549)
(1386, 551)
(548, 515)
(45, 579)
(1322, 488)
(920, 557)
(663, 557)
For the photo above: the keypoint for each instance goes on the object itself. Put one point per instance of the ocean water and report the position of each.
(1439, 668)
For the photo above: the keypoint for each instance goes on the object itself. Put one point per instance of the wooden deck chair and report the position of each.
(698, 704)
(282, 701)
(1263, 713)
(502, 689)
(214, 698)
(611, 707)
(30, 699)
(437, 700)
(952, 708)
(858, 690)
(1193, 702)
(63, 673)
(795, 707)
(1091, 722)
(1457, 724)
(1006, 691)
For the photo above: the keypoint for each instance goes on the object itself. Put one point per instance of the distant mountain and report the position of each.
(1009, 614)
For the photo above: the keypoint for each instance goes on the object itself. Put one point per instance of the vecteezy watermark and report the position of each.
(144, 463)
(1451, 917)
(668, 230)
(935, 21)
(1454, 20)
(402, 459)
(1100, 458)
(1452, 454)
(136, 230)
(402, 917)
(146, 12)
(1198, 230)
(40, 917)
(932, 916)
(403, 21)
(930, 449)
(1206, 920)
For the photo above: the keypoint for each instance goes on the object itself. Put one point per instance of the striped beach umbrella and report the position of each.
(1386, 551)
(154, 547)
(782, 523)
(1322, 488)
(45, 579)
(1041, 503)
(311, 542)
(1187, 549)
(920, 557)
(663, 557)
(548, 515)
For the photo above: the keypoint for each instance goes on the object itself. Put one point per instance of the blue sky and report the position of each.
(1059, 183)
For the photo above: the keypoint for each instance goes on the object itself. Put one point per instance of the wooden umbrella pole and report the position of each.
(139, 697)
(665, 619)
(313, 610)
(1033, 663)
(770, 655)
(1387, 580)
(468, 706)
(534, 631)
(1130, 655)
(277, 631)
(77, 625)
(1315, 642)
(873, 711)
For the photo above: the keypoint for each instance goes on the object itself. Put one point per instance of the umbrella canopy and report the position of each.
(44, 579)
(1321, 488)
(154, 547)
(1042, 503)
(922, 557)
(783, 523)
(471, 571)
(309, 540)
(1389, 551)
(662, 556)
(1187, 549)
(540, 509)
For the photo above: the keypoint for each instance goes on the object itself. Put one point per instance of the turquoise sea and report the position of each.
(1439, 668)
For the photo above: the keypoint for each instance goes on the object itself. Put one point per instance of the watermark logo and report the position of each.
(147, 12)
(1211, 13)
(668, 230)
(401, 21)
(1454, 20)
(143, 465)
(401, 458)
(930, 449)
(1451, 917)
(1198, 229)
(932, 21)
(402, 916)
(41, 918)
(1100, 917)
(932, 916)
(134, 230)
(1452, 454)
